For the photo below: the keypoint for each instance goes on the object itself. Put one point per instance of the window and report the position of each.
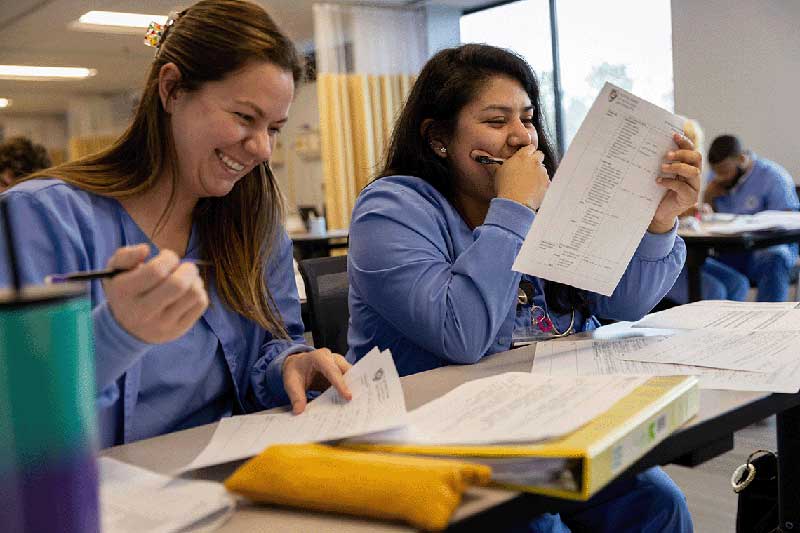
(523, 27)
(626, 42)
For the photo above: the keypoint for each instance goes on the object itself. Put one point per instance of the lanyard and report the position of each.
(540, 318)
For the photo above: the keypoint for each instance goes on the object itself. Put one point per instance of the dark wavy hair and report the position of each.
(22, 156)
(448, 82)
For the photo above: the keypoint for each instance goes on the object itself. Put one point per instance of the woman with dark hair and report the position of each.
(189, 180)
(433, 240)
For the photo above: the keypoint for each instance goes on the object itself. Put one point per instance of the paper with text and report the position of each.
(727, 315)
(378, 404)
(756, 351)
(133, 499)
(603, 196)
(590, 358)
(511, 407)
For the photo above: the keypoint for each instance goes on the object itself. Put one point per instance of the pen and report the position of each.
(88, 275)
(488, 160)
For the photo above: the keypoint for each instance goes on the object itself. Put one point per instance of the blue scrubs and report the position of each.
(767, 186)
(224, 364)
(435, 292)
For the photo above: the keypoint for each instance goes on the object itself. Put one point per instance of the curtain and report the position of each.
(367, 60)
(83, 146)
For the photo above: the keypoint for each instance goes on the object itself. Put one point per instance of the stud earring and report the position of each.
(443, 149)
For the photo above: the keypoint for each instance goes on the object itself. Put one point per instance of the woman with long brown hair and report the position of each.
(176, 345)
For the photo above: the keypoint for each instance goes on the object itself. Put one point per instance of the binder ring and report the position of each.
(739, 486)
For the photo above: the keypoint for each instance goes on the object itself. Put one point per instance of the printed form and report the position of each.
(378, 404)
(603, 196)
(726, 315)
(511, 407)
(591, 357)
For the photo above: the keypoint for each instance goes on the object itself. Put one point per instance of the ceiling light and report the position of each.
(113, 21)
(4, 102)
(23, 72)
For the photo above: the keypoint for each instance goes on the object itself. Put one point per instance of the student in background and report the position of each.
(433, 240)
(743, 183)
(718, 280)
(188, 180)
(19, 156)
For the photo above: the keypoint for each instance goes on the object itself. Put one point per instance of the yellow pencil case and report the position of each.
(421, 491)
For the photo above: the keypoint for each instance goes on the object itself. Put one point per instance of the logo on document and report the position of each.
(612, 95)
(378, 375)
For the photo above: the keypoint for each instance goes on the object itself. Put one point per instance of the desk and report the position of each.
(484, 509)
(698, 247)
(308, 245)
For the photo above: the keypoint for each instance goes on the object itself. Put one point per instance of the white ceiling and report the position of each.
(36, 32)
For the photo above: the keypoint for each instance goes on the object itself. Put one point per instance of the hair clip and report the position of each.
(156, 32)
(153, 35)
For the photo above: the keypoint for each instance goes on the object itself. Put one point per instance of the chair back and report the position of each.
(327, 289)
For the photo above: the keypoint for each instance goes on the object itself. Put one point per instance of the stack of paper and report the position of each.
(728, 345)
(133, 499)
(765, 220)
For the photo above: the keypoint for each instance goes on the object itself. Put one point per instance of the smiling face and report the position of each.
(227, 127)
(498, 121)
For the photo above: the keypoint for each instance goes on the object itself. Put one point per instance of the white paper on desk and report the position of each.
(727, 315)
(133, 499)
(756, 351)
(378, 404)
(765, 220)
(603, 196)
(511, 407)
(590, 358)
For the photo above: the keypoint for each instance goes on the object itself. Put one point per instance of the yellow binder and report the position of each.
(579, 464)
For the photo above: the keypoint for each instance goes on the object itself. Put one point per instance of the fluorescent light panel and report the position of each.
(115, 18)
(4, 102)
(13, 72)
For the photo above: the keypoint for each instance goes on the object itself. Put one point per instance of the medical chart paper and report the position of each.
(591, 358)
(510, 407)
(755, 351)
(727, 315)
(378, 404)
(603, 196)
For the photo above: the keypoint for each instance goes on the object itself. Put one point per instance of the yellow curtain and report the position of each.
(357, 114)
(82, 146)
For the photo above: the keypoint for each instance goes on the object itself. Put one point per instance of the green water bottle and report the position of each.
(48, 475)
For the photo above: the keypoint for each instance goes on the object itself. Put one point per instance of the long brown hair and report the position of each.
(207, 42)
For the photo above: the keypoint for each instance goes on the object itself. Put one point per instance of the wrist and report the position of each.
(658, 226)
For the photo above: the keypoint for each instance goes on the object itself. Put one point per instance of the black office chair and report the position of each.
(326, 294)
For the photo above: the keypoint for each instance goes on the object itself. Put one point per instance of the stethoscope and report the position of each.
(540, 318)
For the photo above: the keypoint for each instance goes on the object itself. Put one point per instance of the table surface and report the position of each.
(331, 234)
(167, 453)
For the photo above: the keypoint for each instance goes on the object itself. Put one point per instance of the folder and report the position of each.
(581, 463)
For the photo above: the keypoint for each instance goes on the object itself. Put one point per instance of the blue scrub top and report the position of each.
(224, 364)
(435, 292)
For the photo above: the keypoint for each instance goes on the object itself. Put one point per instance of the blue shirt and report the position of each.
(435, 292)
(224, 364)
(767, 186)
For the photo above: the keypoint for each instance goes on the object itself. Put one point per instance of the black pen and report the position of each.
(488, 160)
(88, 275)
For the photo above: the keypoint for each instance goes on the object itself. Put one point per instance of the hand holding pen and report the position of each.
(522, 177)
(157, 300)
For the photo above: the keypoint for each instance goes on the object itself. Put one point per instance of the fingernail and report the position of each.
(664, 167)
(670, 154)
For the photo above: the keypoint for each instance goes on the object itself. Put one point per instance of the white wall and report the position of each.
(737, 70)
(301, 181)
(48, 130)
